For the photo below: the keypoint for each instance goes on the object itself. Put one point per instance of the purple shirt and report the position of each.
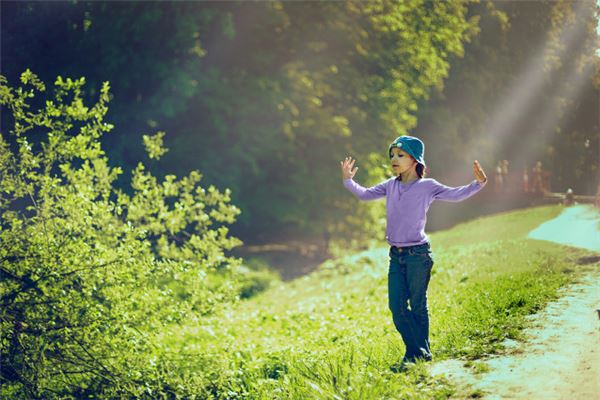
(407, 204)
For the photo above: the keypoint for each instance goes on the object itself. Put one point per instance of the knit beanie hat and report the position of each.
(410, 144)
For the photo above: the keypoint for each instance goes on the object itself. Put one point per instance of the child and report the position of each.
(408, 197)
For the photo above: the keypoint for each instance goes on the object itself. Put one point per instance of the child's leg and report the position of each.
(418, 275)
(398, 295)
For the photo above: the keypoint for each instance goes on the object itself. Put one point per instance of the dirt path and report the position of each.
(561, 357)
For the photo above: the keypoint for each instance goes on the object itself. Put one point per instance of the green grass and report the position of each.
(330, 334)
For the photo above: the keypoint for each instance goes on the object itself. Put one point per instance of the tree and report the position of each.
(264, 98)
(87, 271)
(514, 95)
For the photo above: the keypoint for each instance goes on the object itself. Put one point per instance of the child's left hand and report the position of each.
(478, 171)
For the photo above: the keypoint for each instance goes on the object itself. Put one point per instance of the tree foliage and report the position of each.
(527, 89)
(265, 98)
(87, 270)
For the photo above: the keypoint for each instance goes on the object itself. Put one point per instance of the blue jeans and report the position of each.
(408, 278)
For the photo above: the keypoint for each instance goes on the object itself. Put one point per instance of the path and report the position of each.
(577, 226)
(561, 357)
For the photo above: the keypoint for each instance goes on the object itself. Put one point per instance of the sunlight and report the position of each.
(521, 95)
(571, 88)
(598, 29)
(520, 99)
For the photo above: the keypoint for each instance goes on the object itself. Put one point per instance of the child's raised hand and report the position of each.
(347, 165)
(478, 171)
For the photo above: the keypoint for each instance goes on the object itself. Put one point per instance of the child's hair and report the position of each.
(421, 170)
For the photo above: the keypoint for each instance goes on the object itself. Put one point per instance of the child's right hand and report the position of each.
(347, 165)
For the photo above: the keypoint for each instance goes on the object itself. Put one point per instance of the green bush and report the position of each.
(87, 271)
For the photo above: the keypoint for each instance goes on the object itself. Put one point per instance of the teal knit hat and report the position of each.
(410, 144)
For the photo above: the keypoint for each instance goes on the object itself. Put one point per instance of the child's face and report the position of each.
(401, 161)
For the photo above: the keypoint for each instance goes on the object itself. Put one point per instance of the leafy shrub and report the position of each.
(87, 271)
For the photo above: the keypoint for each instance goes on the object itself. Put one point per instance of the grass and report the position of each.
(329, 335)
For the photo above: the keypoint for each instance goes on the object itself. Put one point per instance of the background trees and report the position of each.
(526, 90)
(266, 98)
(263, 98)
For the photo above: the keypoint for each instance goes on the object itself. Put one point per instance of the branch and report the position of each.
(25, 281)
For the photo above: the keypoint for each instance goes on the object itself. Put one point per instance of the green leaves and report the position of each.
(154, 145)
(29, 78)
(88, 271)
(300, 84)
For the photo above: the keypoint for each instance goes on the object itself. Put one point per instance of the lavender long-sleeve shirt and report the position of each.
(407, 204)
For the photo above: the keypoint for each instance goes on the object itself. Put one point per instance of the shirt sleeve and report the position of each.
(455, 194)
(372, 193)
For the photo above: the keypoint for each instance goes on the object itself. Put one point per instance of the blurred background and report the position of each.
(266, 98)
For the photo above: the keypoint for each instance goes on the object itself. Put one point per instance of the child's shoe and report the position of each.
(402, 366)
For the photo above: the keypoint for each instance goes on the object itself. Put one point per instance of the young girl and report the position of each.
(408, 197)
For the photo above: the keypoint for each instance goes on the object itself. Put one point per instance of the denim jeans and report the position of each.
(408, 278)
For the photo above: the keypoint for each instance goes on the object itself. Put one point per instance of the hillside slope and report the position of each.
(330, 333)
(559, 358)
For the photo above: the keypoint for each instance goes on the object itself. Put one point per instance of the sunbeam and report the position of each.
(529, 84)
(530, 148)
(520, 101)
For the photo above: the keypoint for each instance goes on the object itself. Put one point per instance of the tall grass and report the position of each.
(329, 335)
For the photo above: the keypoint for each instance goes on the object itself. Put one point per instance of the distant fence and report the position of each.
(554, 197)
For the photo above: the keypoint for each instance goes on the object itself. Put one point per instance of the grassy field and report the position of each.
(329, 335)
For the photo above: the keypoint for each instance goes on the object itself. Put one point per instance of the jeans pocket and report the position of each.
(430, 262)
(425, 256)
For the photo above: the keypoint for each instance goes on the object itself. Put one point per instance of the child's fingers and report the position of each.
(478, 170)
(347, 164)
